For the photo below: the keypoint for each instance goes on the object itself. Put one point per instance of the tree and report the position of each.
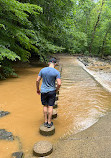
(95, 26)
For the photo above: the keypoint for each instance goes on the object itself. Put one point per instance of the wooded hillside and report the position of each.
(41, 28)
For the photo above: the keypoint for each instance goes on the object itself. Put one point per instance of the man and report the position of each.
(48, 90)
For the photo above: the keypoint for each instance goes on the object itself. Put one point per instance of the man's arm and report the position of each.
(58, 84)
(37, 84)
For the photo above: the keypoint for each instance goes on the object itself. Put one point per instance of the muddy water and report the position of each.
(82, 101)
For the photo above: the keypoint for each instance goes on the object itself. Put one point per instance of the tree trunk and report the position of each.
(95, 27)
(104, 41)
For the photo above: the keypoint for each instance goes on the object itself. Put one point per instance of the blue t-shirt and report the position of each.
(49, 75)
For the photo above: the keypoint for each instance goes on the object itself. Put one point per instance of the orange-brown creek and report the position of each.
(82, 101)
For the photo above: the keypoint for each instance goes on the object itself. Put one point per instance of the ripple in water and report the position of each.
(82, 100)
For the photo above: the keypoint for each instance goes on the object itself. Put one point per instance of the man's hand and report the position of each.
(38, 92)
(37, 84)
(58, 84)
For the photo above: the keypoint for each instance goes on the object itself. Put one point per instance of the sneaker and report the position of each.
(50, 125)
(45, 124)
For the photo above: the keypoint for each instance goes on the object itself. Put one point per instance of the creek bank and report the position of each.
(100, 69)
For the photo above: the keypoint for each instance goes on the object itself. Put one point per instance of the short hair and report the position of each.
(52, 60)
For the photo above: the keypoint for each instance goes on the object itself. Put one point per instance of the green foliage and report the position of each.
(6, 53)
(23, 33)
(2, 26)
(43, 27)
(15, 27)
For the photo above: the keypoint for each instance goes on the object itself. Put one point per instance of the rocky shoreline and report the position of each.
(100, 69)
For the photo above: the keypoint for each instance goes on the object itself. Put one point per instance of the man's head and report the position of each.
(52, 61)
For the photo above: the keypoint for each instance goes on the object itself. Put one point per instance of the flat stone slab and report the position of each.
(57, 95)
(42, 148)
(55, 102)
(55, 106)
(57, 92)
(17, 155)
(46, 131)
(54, 115)
(56, 98)
(6, 135)
(4, 113)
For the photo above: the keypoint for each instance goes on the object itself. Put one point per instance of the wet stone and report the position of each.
(56, 98)
(17, 155)
(46, 131)
(42, 148)
(4, 113)
(57, 92)
(55, 106)
(55, 102)
(57, 95)
(6, 135)
(54, 115)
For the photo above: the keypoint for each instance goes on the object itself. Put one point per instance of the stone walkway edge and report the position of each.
(93, 142)
(95, 76)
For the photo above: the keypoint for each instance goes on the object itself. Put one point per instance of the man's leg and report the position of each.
(50, 112)
(45, 107)
(45, 111)
(51, 101)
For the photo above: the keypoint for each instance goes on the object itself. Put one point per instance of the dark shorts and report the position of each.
(48, 98)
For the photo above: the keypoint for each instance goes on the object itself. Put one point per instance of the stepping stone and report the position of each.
(55, 106)
(17, 155)
(56, 98)
(42, 148)
(55, 102)
(57, 92)
(46, 131)
(57, 95)
(54, 115)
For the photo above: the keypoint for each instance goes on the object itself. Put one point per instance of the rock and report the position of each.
(17, 155)
(57, 92)
(55, 102)
(56, 98)
(84, 60)
(42, 148)
(109, 57)
(6, 135)
(57, 95)
(46, 131)
(54, 115)
(55, 106)
(85, 63)
(3, 113)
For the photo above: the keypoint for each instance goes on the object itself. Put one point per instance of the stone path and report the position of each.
(95, 141)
